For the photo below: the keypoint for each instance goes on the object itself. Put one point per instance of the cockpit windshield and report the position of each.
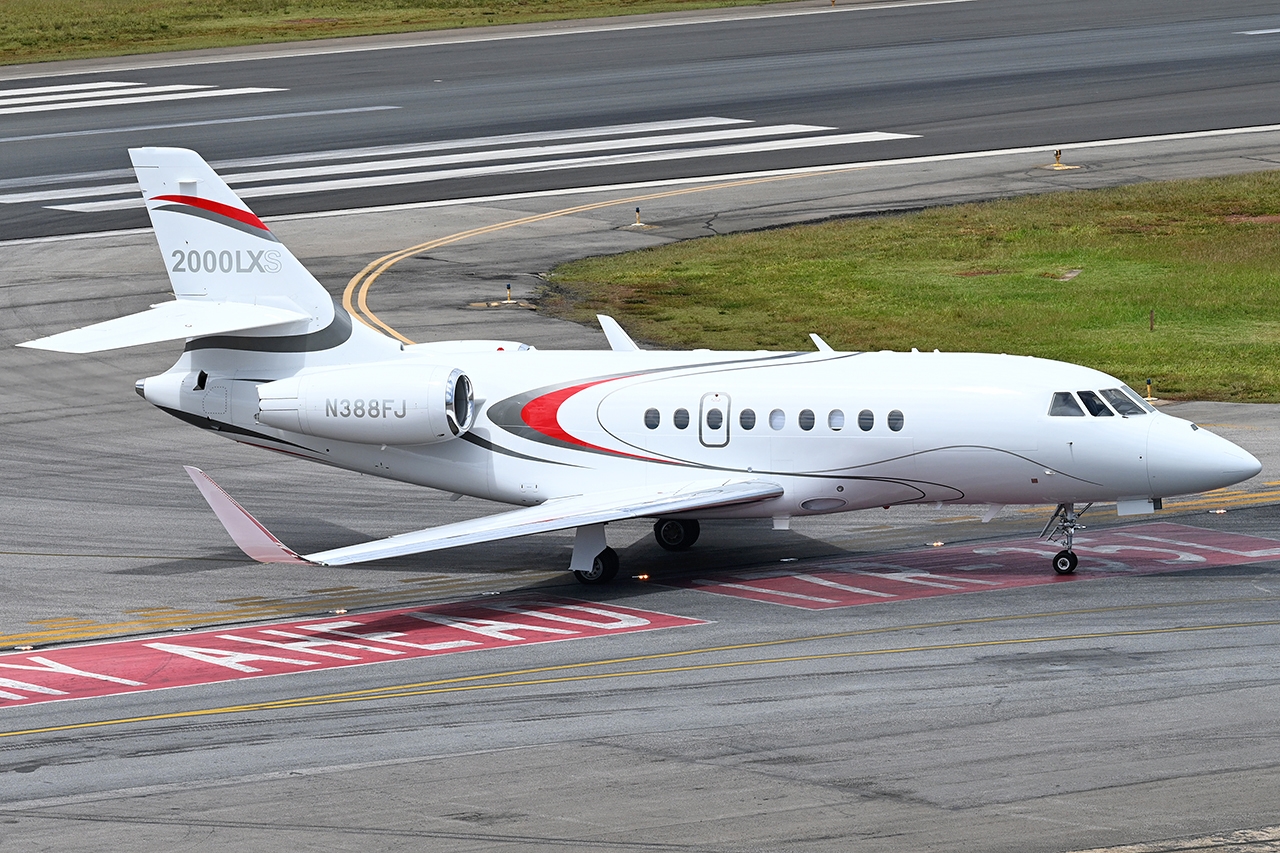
(1123, 399)
(1094, 404)
(1121, 402)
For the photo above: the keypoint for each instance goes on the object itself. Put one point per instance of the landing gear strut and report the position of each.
(604, 568)
(1064, 524)
(676, 534)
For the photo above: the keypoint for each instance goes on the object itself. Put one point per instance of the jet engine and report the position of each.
(372, 404)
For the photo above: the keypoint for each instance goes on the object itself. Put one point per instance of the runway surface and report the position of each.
(845, 684)
(485, 112)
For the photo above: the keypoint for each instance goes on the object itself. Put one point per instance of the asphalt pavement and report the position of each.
(965, 699)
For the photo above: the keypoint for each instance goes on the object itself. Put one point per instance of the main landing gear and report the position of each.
(1064, 524)
(594, 562)
(676, 534)
(604, 568)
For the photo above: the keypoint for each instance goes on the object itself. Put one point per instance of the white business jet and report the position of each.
(578, 439)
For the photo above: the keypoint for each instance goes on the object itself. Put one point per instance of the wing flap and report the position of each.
(557, 514)
(182, 318)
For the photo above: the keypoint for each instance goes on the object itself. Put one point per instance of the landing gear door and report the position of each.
(713, 420)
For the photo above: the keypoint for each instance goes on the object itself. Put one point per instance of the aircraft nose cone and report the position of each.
(1183, 459)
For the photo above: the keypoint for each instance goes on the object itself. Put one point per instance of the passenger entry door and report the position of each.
(713, 420)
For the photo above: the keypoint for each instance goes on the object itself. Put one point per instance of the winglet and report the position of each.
(254, 539)
(619, 341)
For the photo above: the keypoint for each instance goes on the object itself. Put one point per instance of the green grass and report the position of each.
(41, 30)
(1204, 255)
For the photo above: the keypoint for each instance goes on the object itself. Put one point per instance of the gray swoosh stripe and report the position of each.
(219, 219)
(333, 335)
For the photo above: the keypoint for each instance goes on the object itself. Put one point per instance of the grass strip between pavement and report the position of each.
(43, 30)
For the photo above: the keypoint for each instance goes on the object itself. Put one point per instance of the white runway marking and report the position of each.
(479, 141)
(518, 153)
(142, 128)
(137, 99)
(59, 100)
(525, 153)
(66, 87)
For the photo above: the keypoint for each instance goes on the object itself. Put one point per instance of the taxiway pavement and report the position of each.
(1045, 718)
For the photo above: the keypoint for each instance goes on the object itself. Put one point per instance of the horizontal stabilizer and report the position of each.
(168, 321)
(557, 514)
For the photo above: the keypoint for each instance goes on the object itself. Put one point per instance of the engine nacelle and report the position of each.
(372, 404)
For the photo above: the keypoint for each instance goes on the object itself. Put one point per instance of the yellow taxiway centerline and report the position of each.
(489, 681)
(364, 279)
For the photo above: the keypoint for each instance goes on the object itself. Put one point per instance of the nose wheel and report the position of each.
(1064, 562)
(1064, 523)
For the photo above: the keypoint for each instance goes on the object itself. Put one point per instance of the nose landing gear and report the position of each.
(1064, 523)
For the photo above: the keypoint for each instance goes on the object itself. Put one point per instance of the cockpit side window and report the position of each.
(1094, 404)
(1121, 402)
(1064, 405)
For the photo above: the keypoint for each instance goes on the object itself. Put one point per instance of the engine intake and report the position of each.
(372, 404)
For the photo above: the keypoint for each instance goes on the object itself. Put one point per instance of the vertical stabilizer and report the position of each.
(214, 247)
(219, 255)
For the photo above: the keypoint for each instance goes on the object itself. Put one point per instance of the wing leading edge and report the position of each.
(556, 514)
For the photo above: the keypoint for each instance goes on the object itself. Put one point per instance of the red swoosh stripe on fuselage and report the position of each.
(543, 415)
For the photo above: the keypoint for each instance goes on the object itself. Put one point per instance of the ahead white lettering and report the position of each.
(386, 637)
(30, 688)
(239, 661)
(47, 665)
(616, 621)
(309, 645)
(490, 628)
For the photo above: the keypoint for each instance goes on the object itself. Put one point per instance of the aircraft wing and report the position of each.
(556, 514)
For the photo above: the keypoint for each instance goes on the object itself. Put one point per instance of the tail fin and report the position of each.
(214, 247)
(228, 272)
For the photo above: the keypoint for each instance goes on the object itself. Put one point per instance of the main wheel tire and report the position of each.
(675, 534)
(604, 568)
(1065, 562)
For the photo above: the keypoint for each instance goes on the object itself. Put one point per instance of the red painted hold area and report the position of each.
(207, 657)
(1139, 550)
